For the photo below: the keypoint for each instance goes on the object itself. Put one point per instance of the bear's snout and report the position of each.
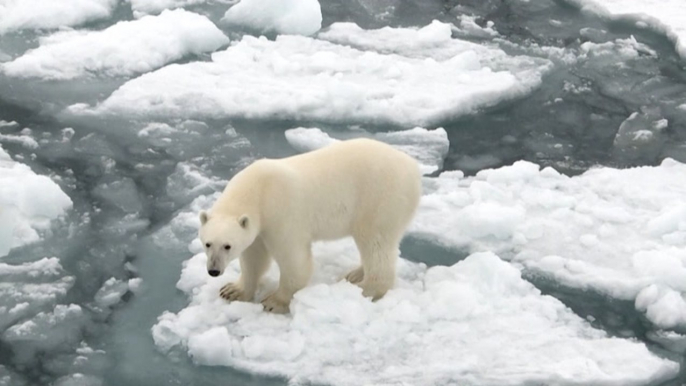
(213, 272)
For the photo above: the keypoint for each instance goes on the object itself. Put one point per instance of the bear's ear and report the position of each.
(204, 217)
(243, 221)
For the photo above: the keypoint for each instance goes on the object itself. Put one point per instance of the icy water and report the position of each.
(127, 188)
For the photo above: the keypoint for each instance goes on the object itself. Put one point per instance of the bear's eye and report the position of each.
(207, 245)
(227, 247)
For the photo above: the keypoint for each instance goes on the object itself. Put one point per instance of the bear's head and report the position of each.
(225, 238)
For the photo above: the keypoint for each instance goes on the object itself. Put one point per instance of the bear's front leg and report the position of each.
(234, 291)
(254, 263)
(295, 269)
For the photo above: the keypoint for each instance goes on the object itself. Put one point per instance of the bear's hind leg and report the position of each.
(379, 256)
(254, 263)
(295, 270)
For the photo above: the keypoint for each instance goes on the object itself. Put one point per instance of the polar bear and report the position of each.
(276, 208)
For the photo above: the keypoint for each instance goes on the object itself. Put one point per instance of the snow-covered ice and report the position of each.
(27, 203)
(477, 322)
(50, 14)
(665, 16)
(431, 78)
(428, 147)
(124, 49)
(618, 232)
(293, 17)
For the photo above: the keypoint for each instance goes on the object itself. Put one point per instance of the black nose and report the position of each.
(213, 272)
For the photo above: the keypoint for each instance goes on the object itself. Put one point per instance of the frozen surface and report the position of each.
(303, 78)
(293, 17)
(428, 147)
(50, 14)
(665, 16)
(124, 49)
(439, 325)
(27, 203)
(619, 232)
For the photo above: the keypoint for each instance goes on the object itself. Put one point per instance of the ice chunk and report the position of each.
(428, 147)
(28, 288)
(303, 78)
(50, 14)
(111, 292)
(124, 49)
(46, 331)
(612, 231)
(469, 27)
(664, 16)
(27, 203)
(79, 379)
(188, 182)
(25, 140)
(663, 306)
(624, 48)
(142, 7)
(307, 139)
(640, 137)
(443, 325)
(293, 17)
(121, 193)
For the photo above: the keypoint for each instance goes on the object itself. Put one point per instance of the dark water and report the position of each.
(126, 192)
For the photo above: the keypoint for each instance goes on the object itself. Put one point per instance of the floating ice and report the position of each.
(50, 14)
(612, 231)
(144, 7)
(307, 139)
(120, 193)
(641, 137)
(440, 325)
(430, 78)
(27, 203)
(428, 147)
(665, 16)
(628, 48)
(124, 49)
(293, 17)
(28, 288)
(45, 332)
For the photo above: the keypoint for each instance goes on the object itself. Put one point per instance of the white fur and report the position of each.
(277, 208)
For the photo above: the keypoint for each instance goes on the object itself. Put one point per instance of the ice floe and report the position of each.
(621, 233)
(439, 325)
(424, 79)
(294, 17)
(428, 147)
(27, 203)
(664, 16)
(50, 14)
(124, 49)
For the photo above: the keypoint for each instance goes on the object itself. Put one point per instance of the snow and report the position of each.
(124, 49)
(428, 147)
(27, 204)
(49, 14)
(664, 16)
(441, 325)
(430, 77)
(621, 233)
(292, 17)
